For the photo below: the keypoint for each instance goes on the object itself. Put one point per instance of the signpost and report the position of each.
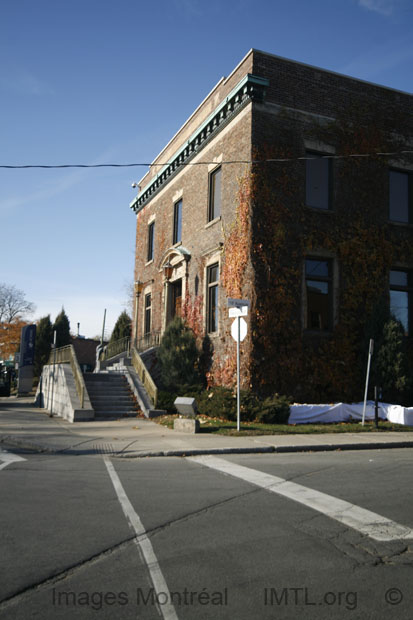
(371, 347)
(238, 308)
(53, 372)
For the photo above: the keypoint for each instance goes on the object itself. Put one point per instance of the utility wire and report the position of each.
(204, 163)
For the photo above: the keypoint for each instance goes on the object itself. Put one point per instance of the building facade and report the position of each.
(289, 186)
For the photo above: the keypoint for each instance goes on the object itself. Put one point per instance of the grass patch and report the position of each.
(224, 427)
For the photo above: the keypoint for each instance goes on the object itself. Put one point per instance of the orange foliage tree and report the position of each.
(10, 338)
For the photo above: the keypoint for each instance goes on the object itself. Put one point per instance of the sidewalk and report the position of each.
(25, 426)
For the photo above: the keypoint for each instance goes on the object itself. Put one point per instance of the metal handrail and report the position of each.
(115, 348)
(67, 354)
(144, 376)
(152, 339)
(123, 345)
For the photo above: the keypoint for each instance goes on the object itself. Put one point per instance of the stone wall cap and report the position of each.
(186, 405)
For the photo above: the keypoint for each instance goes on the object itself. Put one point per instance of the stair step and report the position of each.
(114, 412)
(111, 398)
(107, 377)
(115, 415)
(106, 392)
(110, 395)
(115, 405)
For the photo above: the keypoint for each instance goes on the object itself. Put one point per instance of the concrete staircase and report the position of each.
(110, 395)
(121, 364)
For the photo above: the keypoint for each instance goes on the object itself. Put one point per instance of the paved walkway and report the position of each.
(25, 426)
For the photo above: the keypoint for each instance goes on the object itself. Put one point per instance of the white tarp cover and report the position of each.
(343, 412)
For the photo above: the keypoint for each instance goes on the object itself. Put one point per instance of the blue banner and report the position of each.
(28, 338)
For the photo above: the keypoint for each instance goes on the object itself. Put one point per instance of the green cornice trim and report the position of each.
(250, 88)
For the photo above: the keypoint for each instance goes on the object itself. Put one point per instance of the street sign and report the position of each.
(242, 329)
(234, 312)
(237, 303)
(238, 332)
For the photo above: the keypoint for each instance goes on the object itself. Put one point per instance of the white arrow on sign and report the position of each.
(233, 312)
(242, 329)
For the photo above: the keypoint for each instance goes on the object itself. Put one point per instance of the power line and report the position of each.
(205, 163)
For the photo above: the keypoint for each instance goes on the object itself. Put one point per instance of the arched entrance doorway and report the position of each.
(174, 265)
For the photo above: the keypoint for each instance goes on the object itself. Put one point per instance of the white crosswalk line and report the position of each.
(167, 610)
(367, 522)
(6, 458)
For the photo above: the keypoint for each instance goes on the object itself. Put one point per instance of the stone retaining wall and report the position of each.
(58, 394)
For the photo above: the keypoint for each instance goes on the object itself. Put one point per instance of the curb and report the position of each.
(269, 449)
(27, 445)
(198, 452)
(42, 449)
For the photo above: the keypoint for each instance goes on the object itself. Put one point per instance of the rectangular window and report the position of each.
(319, 294)
(212, 298)
(400, 199)
(400, 297)
(148, 312)
(151, 237)
(175, 298)
(177, 234)
(317, 181)
(214, 206)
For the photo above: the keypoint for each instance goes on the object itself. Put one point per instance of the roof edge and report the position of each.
(345, 75)
(222, 80)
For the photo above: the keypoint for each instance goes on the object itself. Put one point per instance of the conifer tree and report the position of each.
(391, 363)
(62, 327)
(44, 339)
(123, 327)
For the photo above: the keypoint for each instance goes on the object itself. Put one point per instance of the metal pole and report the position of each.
(238, 365)
(376, 406)
(53, 372)
(40, 391)
(137, 295)
(103, 328)
(371, 346)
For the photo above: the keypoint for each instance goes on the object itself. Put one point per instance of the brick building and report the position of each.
(290, 186)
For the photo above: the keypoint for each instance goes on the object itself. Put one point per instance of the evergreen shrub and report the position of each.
(178, 357)
(274, 410)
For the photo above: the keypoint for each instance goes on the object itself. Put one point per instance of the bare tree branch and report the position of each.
(129, 303)
(13, 304)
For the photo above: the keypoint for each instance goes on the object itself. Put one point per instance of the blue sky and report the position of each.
(93, 81)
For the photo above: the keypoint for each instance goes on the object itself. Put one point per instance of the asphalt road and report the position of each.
(94, 537)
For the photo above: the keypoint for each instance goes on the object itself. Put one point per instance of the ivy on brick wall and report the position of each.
(276, 254)
(285, 358)
(273, 232)
(237, 241)
(235, 281)
(192, 313)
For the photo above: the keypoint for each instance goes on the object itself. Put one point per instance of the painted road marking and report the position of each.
(364, 521)
(144, 544)
(8, 457)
